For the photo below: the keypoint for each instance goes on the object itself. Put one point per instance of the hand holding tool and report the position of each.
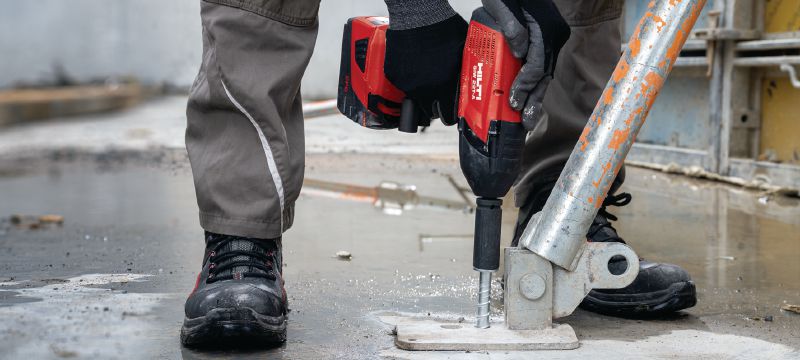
(535, 31)
(400, 78)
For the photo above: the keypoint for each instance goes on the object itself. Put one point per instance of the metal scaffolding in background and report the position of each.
(711, 114)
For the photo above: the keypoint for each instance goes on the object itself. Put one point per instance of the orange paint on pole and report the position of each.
(633, 115)
(608, 95)
(650, 86)
(618, 138)
(606, 167)
(676, 46)
(635, 44)
(583, 139)
(660, 23)
(621, 70)
(655, 82)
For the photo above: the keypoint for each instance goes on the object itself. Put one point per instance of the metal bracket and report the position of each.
(570, 287)
(536, 292)
(792, 75)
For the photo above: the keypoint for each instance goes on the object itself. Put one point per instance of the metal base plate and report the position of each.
(446, 336)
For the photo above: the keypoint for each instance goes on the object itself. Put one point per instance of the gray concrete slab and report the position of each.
(110, 282)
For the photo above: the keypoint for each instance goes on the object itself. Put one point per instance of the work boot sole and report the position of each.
(677, 297)
(234, 327)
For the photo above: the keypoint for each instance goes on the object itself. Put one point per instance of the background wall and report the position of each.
(155, 40)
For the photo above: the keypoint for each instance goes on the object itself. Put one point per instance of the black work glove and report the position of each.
(425, 62)
(535, 31)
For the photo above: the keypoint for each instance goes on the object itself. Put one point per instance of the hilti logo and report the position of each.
(477, 81)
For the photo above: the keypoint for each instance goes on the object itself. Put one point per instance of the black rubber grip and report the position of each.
(408, 117)
(488, 219)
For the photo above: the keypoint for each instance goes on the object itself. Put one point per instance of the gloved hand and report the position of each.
(535, 31)
(424, 46)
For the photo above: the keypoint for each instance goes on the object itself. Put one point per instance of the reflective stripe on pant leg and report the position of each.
(261, 63)
(272, 167)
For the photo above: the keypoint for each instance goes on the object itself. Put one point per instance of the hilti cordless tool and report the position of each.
(366, 96)
(491, 133)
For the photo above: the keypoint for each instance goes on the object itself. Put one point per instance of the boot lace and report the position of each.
(236, 257)
(618, 200)
(601, 229)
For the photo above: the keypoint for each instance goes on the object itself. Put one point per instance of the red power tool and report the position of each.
(491, 132)
(490, 142)
(366, 96)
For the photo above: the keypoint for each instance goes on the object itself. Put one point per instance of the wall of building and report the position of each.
(780, 130)
(156, 41)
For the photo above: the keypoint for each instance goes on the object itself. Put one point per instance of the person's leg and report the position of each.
(584, 66)
(246, 147)
(245, 121)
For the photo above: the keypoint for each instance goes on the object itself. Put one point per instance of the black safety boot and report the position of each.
(239, 297)
(658, 289)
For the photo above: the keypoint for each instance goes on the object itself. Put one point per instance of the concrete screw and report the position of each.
(532, 286)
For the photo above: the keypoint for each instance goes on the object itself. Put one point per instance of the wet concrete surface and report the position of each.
(110, 282)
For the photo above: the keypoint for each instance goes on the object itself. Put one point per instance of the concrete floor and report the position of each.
(110, 282)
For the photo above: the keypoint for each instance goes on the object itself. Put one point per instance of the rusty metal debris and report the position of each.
(791, 308)
(33, 222)
(768, 318)
(51, 219)
(391, 197)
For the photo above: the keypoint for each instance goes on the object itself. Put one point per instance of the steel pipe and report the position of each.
(763, 61)
(768, 44)
(559, 233)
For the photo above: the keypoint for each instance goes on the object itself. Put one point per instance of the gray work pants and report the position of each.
(245, 124)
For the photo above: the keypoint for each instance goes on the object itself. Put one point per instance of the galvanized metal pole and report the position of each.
(559, 233)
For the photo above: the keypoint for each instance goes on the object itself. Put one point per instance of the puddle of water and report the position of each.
(8, 298)
(742, 252)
